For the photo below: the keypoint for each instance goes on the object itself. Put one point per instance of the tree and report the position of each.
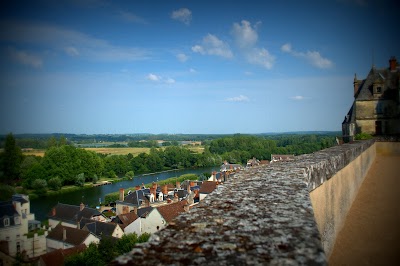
(11, 160)
(55, 183)
(40, 186)
(129, 174)
(6, 192)
(80, 180)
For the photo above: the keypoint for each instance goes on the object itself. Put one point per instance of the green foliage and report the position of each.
(95, 179)
(363, 136)
(10, 160)
(40, 186)
(111, 197)
(144, 144)
(80, 180)
(55, 183)
(6, 192)
(129, 174)
(106, 250)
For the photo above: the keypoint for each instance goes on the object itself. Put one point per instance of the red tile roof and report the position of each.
(170, 211)
(58, 256)
(74, 236)
(208, 187)
(127, 218)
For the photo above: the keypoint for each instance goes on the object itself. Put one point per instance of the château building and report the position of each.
(376, 106)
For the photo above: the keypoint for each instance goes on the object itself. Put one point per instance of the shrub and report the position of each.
(95, 179)
(40, 186)
(6, 192)
(129, 174)
(80, 180)
(55, 183)
(363, 136)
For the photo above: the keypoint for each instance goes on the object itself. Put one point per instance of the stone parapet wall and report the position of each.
(263, 215)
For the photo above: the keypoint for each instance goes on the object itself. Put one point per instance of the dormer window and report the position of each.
(6, 221)
(378, 89)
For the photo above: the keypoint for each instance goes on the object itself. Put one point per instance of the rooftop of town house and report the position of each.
(207, 187)
(172, 210)
(72, 213)
(73, 236)
(57, 257)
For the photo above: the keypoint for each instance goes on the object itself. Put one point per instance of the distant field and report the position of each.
(120, 151)
(113, 151)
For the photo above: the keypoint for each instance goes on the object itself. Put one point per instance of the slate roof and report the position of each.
(351, 116)
(207, 187)
(7, 210)
(20, 198)
(143, 212)
(57, 257)
(72, 213)
(99, 229)
(385, 76)
(172, 210)
(137, 197)
(74, 236)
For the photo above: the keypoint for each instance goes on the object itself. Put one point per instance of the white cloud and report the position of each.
(182, 57)
(183, 15)
(72, 51)
(153, 77)
(244, 34)
(287, 48)
(169, 80)
(261, 57)
(61, 39)
(298, 98)
(130, 17)
(157, 78)
(192, 70)
(240, 98)
(211, 45)
(25, 58)
(313, 57)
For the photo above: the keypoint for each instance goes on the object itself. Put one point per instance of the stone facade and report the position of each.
(376, 106)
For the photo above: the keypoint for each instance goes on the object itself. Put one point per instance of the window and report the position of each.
(6, 221)
(378, 89)
(18, 247)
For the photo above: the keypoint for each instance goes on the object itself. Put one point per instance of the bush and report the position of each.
(129, 174)
(111, 197)
(6, 192)
(95, 179)
(40, 186)
(363, 136)
(55, 183)
(80, 180)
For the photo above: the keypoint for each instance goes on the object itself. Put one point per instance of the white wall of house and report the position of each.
(53, 244)
(133, 227)
(91, 239)
(36, 245)
(118, 232)
(202, 196)
(153, 222)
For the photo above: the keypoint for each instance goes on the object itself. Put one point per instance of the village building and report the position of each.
(16, 221)
(376, 106)
(57, 257)
(101, 229)
(281, 157)
(63, 237)
(71, 215)
(206, 188)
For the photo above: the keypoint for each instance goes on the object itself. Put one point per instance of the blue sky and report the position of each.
(97, 66)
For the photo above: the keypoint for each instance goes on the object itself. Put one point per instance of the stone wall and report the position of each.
(263, 215)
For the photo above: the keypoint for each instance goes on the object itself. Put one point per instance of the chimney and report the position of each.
(53, 212)
(81, 206)
(178, 185)
(214, 176)
(392, 63)
(355, 83)
(121, 194)
(153, 191)
(192, 184)
(64, 234)
(176, 198)
(165, 190)
(137, 187)
(143, 185)
(188, 187)
(135, 210)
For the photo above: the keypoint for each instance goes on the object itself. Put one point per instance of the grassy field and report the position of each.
(113, 151)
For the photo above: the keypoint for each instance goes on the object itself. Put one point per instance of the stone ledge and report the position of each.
(262, 216)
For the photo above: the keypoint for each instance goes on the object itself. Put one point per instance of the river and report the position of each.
(92, 196)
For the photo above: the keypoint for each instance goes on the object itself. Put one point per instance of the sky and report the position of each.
(211, 67)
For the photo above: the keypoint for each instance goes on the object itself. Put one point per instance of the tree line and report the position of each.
(64, 164)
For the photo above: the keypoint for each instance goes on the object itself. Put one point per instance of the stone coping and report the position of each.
(261, 216)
